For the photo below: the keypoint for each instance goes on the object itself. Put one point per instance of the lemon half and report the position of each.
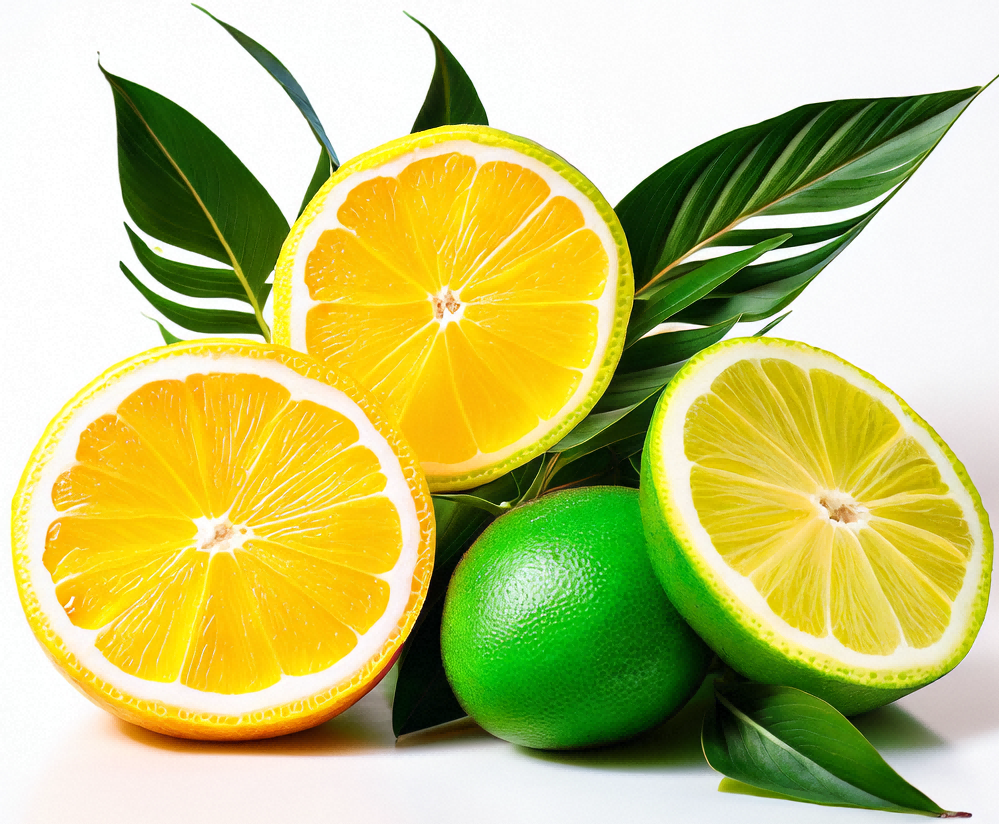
(475, 282)
(222, 540)
(810, 526)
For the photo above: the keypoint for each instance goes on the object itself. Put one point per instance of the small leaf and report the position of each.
(605, 428)
(195, 318)
(276, 69)
(675, 295)
(181, 184)
(786, 741)
(770, 325)
(194, 281)
(423, 697)
(452, 98)
(474, 501)
(672, 346)
(319, 177)
(168, 336)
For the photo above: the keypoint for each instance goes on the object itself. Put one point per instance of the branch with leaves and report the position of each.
(182, 186)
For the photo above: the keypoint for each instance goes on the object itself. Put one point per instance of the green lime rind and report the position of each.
(556, 633)
(486, 136)
(736, 633)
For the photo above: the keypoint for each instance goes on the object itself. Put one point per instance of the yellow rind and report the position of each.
(734, 632)
(486, 136)
(177, 721)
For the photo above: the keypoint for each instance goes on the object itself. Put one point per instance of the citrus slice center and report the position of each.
(472, 287)
(221, 540)
(829, 509)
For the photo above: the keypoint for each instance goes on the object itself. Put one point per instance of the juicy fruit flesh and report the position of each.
(463, 295)
(217, 533)
(810, 487)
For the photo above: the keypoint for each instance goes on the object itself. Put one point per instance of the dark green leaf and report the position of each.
(606, 465)
(423, 697)
(671, 347)
(196, 319)
(675, 295)
(168, 336)
(471, 500)
(770, 325)
(276, 69)
(452, 98)
(800, 236)
(787, 741)
(195, 281)
(605, 428)
(757, 292)
(319, 177)
(816, 158)
(181, 184)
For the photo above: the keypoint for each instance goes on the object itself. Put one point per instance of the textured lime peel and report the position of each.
(811, 527)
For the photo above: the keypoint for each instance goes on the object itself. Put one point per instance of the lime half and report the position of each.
(810, 526)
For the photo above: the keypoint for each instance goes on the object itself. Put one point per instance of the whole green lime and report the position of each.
(556, 632)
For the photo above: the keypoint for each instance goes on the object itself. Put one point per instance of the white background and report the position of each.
(617, 90)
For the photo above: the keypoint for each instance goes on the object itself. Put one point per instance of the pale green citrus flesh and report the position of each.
(834, 530)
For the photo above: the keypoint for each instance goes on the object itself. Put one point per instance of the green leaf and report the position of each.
(757, 292)
(168, 336)
(194, 281)
(770, 325)
(328, 162)
(671, 346)
(195, 318)
(452, 98)
(319, 177)
(423, 697)
(604, 428)
(182, 185)
(276, 69)
(786, 741)
(816, 158)
(675, 295)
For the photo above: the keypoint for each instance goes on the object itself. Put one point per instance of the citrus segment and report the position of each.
(837, 538)
(476, 283)
(222, 540)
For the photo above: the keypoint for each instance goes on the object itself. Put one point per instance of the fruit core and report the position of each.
(219, 535)
(842, 509)
(446, 300)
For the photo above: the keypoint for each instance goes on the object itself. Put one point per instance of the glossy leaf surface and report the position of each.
(451, 98)
(787, 741)
(182, 185)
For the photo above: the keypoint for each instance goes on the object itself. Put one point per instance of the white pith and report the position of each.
(325, 219)
(670, 462)
(80, 642)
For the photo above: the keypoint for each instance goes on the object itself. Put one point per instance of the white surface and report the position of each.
(617, 90)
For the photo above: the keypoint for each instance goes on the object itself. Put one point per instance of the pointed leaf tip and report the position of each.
(276, 69)
(786, 741)
(451, 98)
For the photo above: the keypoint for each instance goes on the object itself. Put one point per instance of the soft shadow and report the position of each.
(463, 730)
(963, 703)
(892, 728)
(365, 727)
(674, 743)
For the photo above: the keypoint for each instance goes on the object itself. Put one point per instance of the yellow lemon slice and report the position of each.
(476, 283)
(222, 540)
(811, 527)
